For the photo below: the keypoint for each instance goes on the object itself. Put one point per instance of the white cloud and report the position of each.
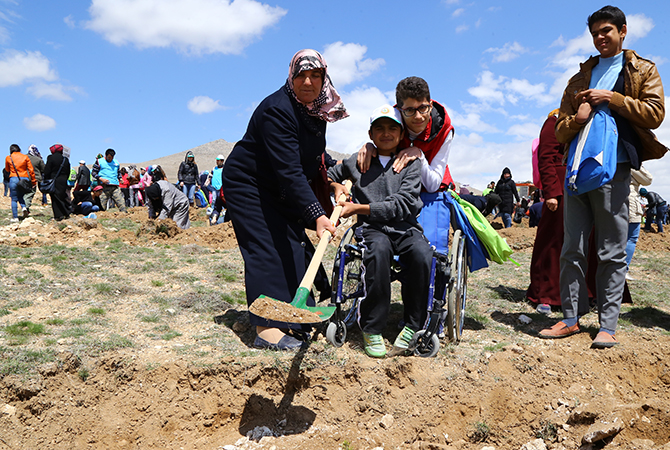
(476, 161)
(192, 26)
(489, 89)
(4, 35)
(638, 26)
(458, 12)
(461, 28)
(527, 130)
(39, 122)
(18, 67)
(69, 21)
(53, 91)
(348, 135)
(508, 52)
(347, 63)
(660, 168)
(658, 60)
(500, 89)
(471, 121)
(203, 104)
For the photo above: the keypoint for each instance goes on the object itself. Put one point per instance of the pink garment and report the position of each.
(145, 181)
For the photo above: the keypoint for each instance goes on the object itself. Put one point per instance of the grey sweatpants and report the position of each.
(606, 211)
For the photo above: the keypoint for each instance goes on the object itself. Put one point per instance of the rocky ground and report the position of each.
(124, 333)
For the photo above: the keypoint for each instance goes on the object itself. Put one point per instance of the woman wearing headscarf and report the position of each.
(59, 164)
(267, 183)
(38, 165)
(165, 201)
(19, 167)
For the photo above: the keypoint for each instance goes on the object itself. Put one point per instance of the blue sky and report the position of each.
(154, 77)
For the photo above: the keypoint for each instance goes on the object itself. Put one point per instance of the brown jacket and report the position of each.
(643, 105)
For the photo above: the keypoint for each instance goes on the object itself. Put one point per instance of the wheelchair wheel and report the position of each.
(346, 285)
(428, 349)
(458, 291)
(336, 333)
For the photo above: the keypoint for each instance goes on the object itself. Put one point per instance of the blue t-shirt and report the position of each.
(109, 171)
(217, 182)
(604, 76)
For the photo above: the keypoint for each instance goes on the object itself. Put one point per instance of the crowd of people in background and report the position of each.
(83, 191)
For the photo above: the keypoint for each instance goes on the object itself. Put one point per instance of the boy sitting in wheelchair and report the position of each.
(388, 203)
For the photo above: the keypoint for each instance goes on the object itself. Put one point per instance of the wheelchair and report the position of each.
(446, 295)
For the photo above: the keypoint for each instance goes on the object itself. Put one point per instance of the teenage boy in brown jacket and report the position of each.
(627, 87)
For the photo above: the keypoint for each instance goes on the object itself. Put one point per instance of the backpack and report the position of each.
(592, 157)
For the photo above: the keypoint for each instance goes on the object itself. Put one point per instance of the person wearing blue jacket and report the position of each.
(106, 171)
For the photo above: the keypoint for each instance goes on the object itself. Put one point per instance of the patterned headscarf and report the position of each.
(328, 105)
(32, 150)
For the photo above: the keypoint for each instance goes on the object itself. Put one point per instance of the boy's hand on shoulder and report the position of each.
(404, 157)
(364, 156)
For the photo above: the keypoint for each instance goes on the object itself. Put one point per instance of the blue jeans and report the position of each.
(212, 194)
(88, 207)
(507, 219)
(17, 196)
(189, 190)
(633, 235)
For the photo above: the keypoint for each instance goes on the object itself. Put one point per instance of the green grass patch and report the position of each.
(187, 278)
(54, 321)
(114, 342)
(96, 311)
(235, 298)
(23, 361)
(157, 283)
(75, 332)
(4, 312)
(20, 332)
(18, 304)
(152, 318)
(24, 328)
(103, 288)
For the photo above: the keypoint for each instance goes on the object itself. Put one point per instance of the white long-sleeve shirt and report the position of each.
(432, 173)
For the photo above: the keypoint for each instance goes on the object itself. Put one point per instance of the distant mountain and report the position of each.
(205, 157)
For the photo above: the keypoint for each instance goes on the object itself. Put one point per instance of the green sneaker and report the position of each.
(401, 343)
(374, 345)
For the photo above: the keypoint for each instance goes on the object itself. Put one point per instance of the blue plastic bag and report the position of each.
(593, 155)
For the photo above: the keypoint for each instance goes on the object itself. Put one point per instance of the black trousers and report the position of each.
(415, 257)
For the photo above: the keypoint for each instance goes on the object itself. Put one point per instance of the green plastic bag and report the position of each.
(496, 246)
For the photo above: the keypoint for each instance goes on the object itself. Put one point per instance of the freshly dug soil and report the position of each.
(280, 311)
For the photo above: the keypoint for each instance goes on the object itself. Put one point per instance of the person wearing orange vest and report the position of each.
(19, 167)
